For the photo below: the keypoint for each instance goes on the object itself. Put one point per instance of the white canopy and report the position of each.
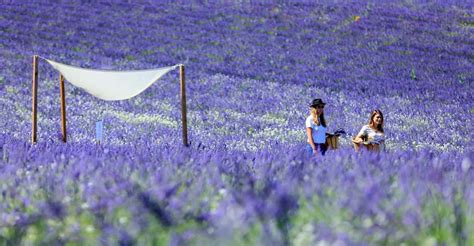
(111, 85)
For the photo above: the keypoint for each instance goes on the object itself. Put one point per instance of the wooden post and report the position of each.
(34, 99)
(183, 104)
(63, 107)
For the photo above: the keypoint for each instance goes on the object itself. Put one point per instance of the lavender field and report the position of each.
(251, 70)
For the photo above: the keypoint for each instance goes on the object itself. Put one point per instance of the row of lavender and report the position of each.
(149, 195)
(251, 70)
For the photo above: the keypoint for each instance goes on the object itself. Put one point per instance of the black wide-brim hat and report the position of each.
(316, 102)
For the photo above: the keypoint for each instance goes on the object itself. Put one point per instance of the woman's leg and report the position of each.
(322, 148)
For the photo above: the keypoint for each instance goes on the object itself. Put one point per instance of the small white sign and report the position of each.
(98, 131)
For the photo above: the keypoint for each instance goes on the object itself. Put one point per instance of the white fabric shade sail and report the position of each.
(111, 85)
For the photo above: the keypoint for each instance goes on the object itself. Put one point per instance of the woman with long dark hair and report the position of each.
(371, 135)
(316, 127)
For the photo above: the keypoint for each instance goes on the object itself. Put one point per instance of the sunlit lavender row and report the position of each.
(251, 71)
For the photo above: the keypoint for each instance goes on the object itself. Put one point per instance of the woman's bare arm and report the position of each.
(359, 138)
(309, 133)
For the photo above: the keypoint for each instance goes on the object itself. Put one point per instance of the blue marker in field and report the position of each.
(98, 131)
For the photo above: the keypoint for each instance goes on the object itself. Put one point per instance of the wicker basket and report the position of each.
(332, 141)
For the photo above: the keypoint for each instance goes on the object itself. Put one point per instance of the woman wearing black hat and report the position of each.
(316, 127)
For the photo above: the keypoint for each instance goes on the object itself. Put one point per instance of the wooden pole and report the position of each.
(183, 104)
(34, 99)
(63, 107)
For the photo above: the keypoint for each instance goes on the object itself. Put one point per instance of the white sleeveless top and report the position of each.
(318, 132)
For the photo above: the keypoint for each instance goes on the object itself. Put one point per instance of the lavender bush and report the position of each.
(251, 70)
